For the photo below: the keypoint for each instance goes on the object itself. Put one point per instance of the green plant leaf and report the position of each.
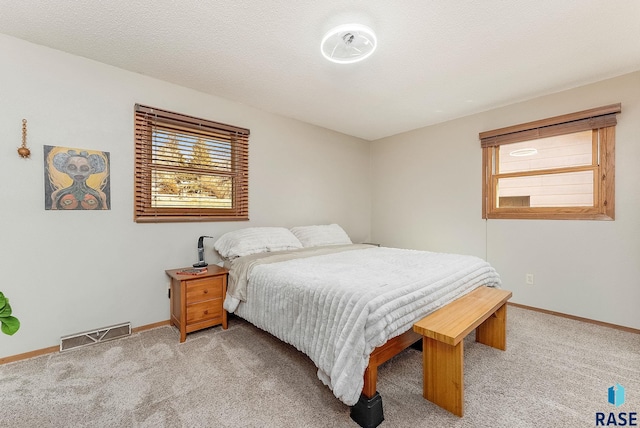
(9, 325)
(6, 310)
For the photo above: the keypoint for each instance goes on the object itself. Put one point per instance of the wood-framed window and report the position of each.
(557, 168)
(189, 169)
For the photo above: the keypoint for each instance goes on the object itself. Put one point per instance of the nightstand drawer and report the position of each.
(204, 289)
(206, 310)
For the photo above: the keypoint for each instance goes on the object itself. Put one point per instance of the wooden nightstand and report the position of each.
(196, 300)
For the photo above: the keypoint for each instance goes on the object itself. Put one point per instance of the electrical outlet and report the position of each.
(529, 279)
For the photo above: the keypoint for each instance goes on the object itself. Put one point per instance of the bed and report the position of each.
(349, 307)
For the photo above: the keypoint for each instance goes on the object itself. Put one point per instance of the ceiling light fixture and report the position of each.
(349, 43)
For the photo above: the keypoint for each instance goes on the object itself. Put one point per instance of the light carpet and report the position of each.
(555, 373)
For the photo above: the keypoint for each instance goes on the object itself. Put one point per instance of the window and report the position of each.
(189, 169)
(557, 168)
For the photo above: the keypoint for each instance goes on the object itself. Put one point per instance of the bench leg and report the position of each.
(443, 382)
(493, 331)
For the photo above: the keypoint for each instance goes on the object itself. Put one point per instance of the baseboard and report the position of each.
(573, 317)
(31, 354)
(52, 349)
(150, 326)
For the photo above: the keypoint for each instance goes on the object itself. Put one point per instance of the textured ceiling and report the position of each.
(436, 60)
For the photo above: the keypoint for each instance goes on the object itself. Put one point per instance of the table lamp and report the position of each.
(201, 262)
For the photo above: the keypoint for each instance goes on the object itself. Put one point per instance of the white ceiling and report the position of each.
(436, 60)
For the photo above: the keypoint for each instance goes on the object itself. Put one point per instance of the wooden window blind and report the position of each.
(189, 169)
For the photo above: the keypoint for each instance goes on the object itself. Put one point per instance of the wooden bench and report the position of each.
(443, 331)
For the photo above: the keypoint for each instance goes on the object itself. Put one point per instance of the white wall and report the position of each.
(427, 195)
(66, 272)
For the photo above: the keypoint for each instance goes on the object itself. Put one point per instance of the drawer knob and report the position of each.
(206, 312)
(206, 291)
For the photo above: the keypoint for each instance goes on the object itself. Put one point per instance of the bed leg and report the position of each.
(368, 411)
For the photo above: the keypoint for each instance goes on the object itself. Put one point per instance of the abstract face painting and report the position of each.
(76, 179)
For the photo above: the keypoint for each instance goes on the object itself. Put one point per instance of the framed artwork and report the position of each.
(76, 179)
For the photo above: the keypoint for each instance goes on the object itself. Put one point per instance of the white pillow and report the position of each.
(313, 236)
(253, 240)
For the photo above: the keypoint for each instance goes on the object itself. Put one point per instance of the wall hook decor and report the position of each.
(24, 151)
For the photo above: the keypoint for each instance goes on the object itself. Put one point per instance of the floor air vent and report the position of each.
(95, 336)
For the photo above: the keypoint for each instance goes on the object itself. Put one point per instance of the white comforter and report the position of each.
(338, 307)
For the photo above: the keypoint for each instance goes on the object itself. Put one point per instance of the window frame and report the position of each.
(601, 121)
(146, 119)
